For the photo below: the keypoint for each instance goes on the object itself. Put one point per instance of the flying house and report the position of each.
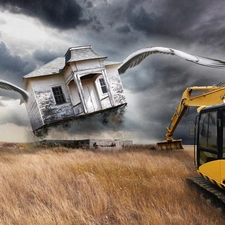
(79, 84)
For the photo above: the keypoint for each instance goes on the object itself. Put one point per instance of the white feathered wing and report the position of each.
(137, 57)
(12, 87)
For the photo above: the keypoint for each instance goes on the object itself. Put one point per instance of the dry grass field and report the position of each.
(132, 186)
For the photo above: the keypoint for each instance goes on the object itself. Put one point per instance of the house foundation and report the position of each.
(91, 144)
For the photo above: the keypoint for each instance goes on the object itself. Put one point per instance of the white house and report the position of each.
(78, 84)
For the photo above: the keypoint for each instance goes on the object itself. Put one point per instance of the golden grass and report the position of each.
(132, 186)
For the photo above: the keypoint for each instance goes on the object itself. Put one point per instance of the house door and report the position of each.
(91, 98)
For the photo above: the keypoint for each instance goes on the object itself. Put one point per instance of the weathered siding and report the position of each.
(75, 99)
(115, 85)
(33, 110)
(50, 112)
(68, 74)
(90, 64)
(78, 109)
(105, 103)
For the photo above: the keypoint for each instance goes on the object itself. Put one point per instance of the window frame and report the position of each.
(99, 87)
(59, 98)
(205, 151)
(103, 85)
(208, 127)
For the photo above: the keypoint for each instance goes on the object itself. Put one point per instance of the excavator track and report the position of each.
(210, 192)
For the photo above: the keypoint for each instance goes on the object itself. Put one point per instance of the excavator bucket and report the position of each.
(170, 145)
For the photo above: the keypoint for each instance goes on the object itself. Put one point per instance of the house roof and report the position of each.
(53, 67)
(75, 54)
(72, 55)
(56, 66)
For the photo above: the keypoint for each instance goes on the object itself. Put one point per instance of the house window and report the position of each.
(58, 95)
(103, 85)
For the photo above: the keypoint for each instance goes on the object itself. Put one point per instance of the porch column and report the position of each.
(108, 87)
(80, 91)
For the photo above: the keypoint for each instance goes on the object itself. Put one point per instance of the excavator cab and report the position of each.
(210, 144)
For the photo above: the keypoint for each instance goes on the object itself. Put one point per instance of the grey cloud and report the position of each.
(159, 82)
(2, 21)
(117, 29)
(192, 21)
(2, 103)
(88, 4)
(123, 29)
(45, 56)
(60, 14)
(95, 24)
(10, 62)
(12, 69)
(15, 118)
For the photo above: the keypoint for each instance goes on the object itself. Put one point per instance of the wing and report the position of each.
(137, 57)
(9, 86)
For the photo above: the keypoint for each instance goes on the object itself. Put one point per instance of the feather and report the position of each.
(137, 57)
(9, 86)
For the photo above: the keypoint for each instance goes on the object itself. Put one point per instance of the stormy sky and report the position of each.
(33, 33)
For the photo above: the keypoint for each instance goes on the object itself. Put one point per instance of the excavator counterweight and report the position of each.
(206, 96)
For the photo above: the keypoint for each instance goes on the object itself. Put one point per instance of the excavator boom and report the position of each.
(204, 96)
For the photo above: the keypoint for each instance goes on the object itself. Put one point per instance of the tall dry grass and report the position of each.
(133, 186)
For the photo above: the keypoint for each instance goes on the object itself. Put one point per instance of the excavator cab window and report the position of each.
(208, 131)
(223, 136)
(207, 137)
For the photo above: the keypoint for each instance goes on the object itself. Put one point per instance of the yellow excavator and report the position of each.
(209, 146)
(199, 96)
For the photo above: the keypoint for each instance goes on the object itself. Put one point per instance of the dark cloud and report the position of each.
(116, 30)
(45, 56)
(96, 25)
(9, 62)
(123, 29)
(88, 4)
(189, 21)
(61, 14)
(159, 82)
(12, 69)
(194, 21)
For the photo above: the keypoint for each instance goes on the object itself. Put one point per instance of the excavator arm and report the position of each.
(192, 96)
